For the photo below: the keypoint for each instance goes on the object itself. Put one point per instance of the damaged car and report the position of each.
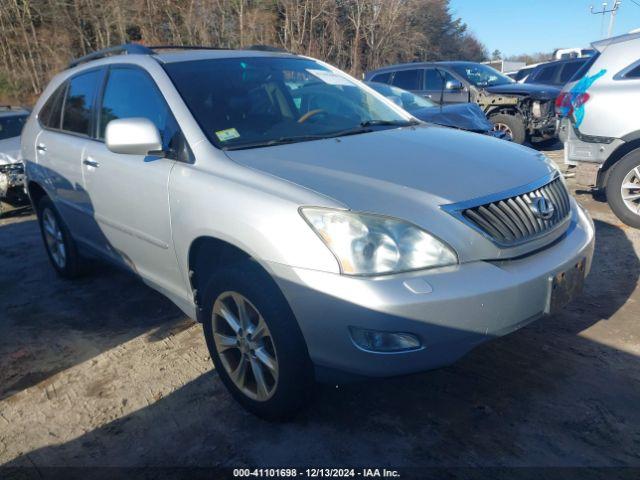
(523, 112)
(12, 184)
(463, 116)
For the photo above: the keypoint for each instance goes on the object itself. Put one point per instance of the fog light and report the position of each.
(375, 341)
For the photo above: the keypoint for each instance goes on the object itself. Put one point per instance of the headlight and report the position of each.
(367, 244)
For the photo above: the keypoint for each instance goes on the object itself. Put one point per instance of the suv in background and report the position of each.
(600, 125)
(12, 185)
(315, 228)
(556, 73)
(524, 112)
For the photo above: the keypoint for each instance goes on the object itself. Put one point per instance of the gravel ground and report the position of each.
(103, 371)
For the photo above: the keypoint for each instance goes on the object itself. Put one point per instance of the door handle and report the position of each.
(90, 162)
(41, 147)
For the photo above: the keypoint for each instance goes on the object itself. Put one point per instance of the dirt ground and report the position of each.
(103, 371)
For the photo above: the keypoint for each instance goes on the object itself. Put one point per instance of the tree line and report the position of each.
(39, 37)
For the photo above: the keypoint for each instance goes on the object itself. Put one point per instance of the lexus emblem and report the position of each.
(542, 208)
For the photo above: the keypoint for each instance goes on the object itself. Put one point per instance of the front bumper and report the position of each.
(460, 307)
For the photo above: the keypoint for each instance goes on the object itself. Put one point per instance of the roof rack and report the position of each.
(127, 48)
(135, 48)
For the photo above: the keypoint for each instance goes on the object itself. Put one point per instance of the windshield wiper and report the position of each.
(388, 123)
(364, 127)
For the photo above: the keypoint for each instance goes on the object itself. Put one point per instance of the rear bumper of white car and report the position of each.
(450, 310)
(576, 149)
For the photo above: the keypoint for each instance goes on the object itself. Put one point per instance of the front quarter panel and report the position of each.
(215, 197)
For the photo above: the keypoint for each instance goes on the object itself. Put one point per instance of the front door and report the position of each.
(435, 84)
(130, 192)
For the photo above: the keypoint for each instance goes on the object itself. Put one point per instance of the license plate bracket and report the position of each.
(566, 285)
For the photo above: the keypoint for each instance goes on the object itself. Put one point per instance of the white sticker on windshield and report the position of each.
(329, 77)
(228, 134)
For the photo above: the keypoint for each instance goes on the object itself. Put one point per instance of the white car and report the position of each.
(12, 184)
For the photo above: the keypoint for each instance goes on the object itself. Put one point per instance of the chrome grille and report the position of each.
(511, 220)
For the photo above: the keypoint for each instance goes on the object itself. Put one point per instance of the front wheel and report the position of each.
(623, 189)
(511, 125)
(255, 342)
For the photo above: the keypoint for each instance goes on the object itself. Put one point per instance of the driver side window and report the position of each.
(131, 93)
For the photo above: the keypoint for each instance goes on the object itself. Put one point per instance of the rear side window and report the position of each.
(382, 77)
(634, 72)
(407, 79)
(131, 93)
(78, 105)
(51, 113)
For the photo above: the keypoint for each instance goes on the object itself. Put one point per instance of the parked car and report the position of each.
(12, 185)
(313, 226)
(556, 73)
(524, 112)
(465, 116)
(521, 75)
(600, 126)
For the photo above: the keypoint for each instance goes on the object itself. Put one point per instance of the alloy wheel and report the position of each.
(245, 346)
(54, 238)
(630, 190)
(504, 128)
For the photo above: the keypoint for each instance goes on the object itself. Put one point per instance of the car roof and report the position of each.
(399, 66)
(600, 45)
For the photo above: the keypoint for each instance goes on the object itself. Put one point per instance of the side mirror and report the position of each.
(133, 136)
(453, 85)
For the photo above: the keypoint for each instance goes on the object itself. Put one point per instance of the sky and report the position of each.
(530, 26)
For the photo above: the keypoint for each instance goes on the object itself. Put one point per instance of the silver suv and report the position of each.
(317, 230)
(600, 126)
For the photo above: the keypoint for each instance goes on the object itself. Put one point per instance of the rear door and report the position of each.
(67, 122)
(130, 192)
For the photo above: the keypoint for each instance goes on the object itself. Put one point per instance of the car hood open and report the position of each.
(539, 92)
(467, 116)
(387, 169)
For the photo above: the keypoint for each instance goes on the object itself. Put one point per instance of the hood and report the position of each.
(10, 150)
(540, 92)
(467, 116)
(390, 170)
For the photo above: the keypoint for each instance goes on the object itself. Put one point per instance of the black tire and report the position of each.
(71, 267)
(514, 123)
(295, 371)
(614, 184)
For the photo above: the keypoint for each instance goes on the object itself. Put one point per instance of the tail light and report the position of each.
(567, 102)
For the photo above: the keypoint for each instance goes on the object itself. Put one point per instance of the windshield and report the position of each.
(260, 101)
(481, 75)
(407, 100)
(11, 126)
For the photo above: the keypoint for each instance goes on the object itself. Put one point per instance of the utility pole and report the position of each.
(612, 17)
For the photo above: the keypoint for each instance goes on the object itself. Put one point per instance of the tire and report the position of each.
(627, 171)
(287, 391)
(65, 260)
(510, 123)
